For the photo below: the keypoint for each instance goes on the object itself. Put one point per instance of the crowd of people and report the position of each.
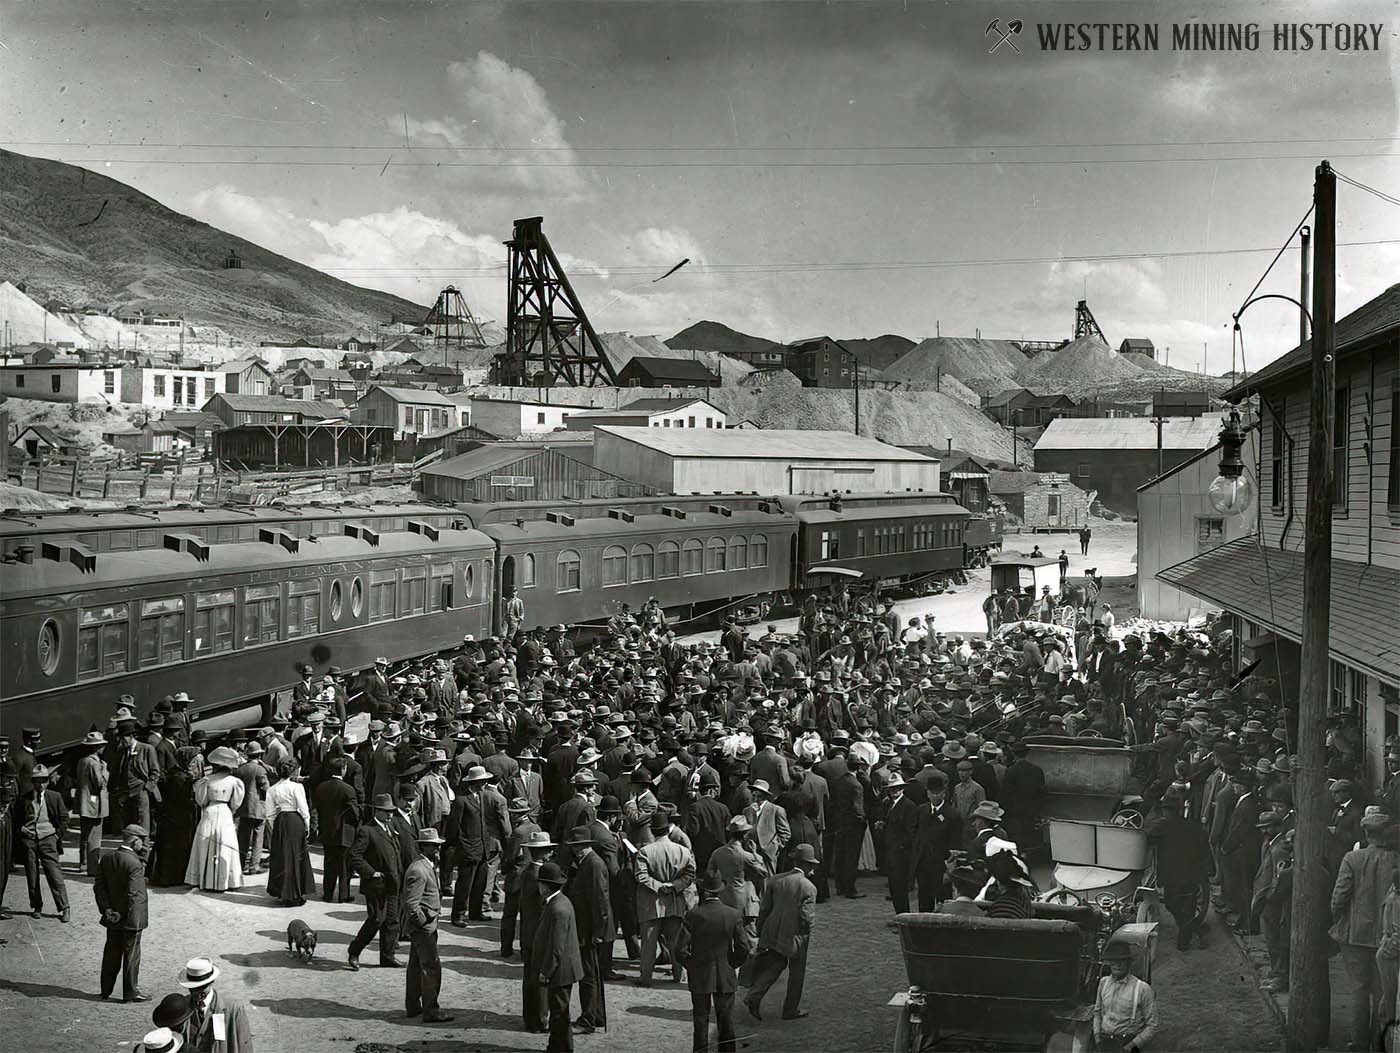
(698, 801)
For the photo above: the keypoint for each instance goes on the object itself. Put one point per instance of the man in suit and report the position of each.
(472, 821)
(526, 783)
(770, 823)
(338, 806)
(535, 851)
(255, 811)
(578, 809)
(1240, 847)
(1344, 828)
(713, 943)
(91, 790)
(120, 891)
(901, 825)
(514, 858)
(1183, 867)
(420, 907)
(135, 777)
(705, 819)
(376, 692)
(665, 891)
(40, 819)
(742, 870)
(848, 812)
(213, 1014)
(589, 891)
(785, 918)
(1022, 795)
(555, 957)
(378, 858)
(939, 832)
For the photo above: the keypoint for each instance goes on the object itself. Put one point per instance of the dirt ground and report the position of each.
(1208, 999)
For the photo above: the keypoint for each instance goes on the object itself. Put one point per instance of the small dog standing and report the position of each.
(301, 940)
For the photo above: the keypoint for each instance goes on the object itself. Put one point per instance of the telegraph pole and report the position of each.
(1309, 1009)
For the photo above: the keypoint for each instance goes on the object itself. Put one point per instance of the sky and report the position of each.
(842, 168)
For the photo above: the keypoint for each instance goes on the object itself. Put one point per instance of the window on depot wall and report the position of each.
(1340, 422)
(1210, 532)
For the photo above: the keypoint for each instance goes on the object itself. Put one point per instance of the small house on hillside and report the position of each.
(1133, 346)
(356, 346)
(237, 410)
(821, 362)
(325, 383)
(410, 411)
(246, 376)
(653, 413)
(37, 440)
(152, 437)
(1041, 500)
(1025, 409)
(643, 372)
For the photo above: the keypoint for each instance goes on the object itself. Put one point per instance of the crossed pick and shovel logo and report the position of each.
(1004, 36)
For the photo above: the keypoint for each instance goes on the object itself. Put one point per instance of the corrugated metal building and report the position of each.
(1117, 455)
(1041, 500)
(511, 473)
(769, 461)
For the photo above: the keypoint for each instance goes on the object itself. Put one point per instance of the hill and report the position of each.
(985, 366)
(879, 351)
(718, 337)
(70, 233)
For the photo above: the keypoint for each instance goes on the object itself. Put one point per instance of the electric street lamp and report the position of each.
(1232, 493)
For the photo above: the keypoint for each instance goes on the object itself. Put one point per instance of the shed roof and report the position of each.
(424, 396)
(1128, 433)
(680, 369)
(278, 404)
(46, 433)
(477, 462)
(765, 444)
(1269, 590)
(238, 365)
(326, 373)
(657, 405)
(1351, 333)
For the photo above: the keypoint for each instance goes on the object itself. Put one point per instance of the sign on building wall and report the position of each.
(513, 480)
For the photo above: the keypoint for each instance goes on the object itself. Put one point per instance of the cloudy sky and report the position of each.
(848, 168)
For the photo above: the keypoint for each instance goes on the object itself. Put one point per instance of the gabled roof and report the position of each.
(1002, 398)
(278, 404)
(192, 419)
(1350, 334)
(238, 365)
(682, 369)
(476, 462)
(338, 376)
(421, 396)
(657, 405)
(46, 433)
(767, 444)
(1128, 433)
(1132, 344)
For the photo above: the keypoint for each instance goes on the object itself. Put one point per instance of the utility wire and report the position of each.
(1366, 187)
(1282, 249)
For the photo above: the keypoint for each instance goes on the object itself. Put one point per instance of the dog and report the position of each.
(301, 940)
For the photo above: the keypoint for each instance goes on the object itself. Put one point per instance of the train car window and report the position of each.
(213, 622)
(668, 560)
(860, 541)
(440, 593)
(383, 594)
(567, 573)
(303, 608)
(692, 558)
(145, 538)
(758, 550)
(714, 555)
(47, 647)
(91, 541)
(527, 571)
(830, 545)
(643, 563)
(469, 581)
(225, 533)
(738, 553)
(614, 566)
(262, 614)
(414, 597)
(248, 532)
(161, 638)
(337, 600)
(103, 640)
(357, 597)
(119, 541)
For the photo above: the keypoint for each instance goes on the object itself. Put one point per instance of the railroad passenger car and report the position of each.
(226, 621)
(577, 563)
(981, 539)
(902, 541)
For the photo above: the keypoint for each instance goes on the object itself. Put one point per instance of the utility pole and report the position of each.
(1305, 237)
(1309, 1009)
(1159, 420)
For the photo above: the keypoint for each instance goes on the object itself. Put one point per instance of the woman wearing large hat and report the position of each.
(215, 864)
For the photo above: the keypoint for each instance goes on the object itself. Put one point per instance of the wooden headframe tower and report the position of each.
(549, 339)
(452, 321)
(1084, 324)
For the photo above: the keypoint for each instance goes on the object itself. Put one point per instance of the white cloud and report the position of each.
(1134, 287)
(502, 118)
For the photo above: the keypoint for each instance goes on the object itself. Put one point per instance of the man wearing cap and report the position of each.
(120, 891)
(217, 1024)
(1125, 1011)
(713, 942)
(378, 858)
(554, 956)
(785, 917)
(419, 908)
(91, 791)
(591, 895)
(665, 891)
(40, 820)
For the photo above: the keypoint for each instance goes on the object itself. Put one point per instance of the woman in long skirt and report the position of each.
(215, 859)
(170, 855)
(289, 875)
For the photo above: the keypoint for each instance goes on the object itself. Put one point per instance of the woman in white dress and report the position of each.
(215, 861)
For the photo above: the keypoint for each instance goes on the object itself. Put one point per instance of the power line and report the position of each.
(1369, 189)
(802, 266)
(1279, 255)
(973, 163)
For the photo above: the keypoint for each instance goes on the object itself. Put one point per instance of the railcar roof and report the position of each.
(858, 514)
(586, 529)
(26, 524)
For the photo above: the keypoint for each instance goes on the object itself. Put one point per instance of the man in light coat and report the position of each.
(665, 891)
(91, 790)
(419, 908)
(1357, 899)
(255, 812)
(770, 823)
(785, 918)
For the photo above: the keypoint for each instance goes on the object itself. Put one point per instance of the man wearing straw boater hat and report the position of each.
(39, 823)
(161, 1040)
(216, 1024)
(91, 791)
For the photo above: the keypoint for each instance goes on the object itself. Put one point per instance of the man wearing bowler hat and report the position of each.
(420, 907)
(135, 776)
(378, 858)
(555, 958)
(712, 945)
(592, 899)
(120, 891)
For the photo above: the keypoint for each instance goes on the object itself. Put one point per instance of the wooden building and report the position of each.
(416, 411)
(507, 472)
(1258, 580)
(821, 362)
(968, 481)
(246, 376)
(237, 410)
(644, 372)
(653, 413)
(304, 444)
(325, 383)
(1041, 500)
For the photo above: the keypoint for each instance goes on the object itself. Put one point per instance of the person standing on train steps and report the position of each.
(120, 891)
(512, 614)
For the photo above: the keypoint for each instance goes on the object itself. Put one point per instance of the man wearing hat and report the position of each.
(120, 891)
(420, 906)
(9, 798)
(91, 791)
(161, 1040)
(578, 809)
(590, 892)
(1183, 868)
(554, 955)
(378, 858)
(535, 850)
(785, 917)
(713, 943)
(135, 777)
(216, 1023)
(1358, 898)
(478, 824)
(771, 831)
(256, 811)
(665, 891)
(338, 805)
(375, 690)
(40, 820)
(1125, 1011)
(900, 828)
